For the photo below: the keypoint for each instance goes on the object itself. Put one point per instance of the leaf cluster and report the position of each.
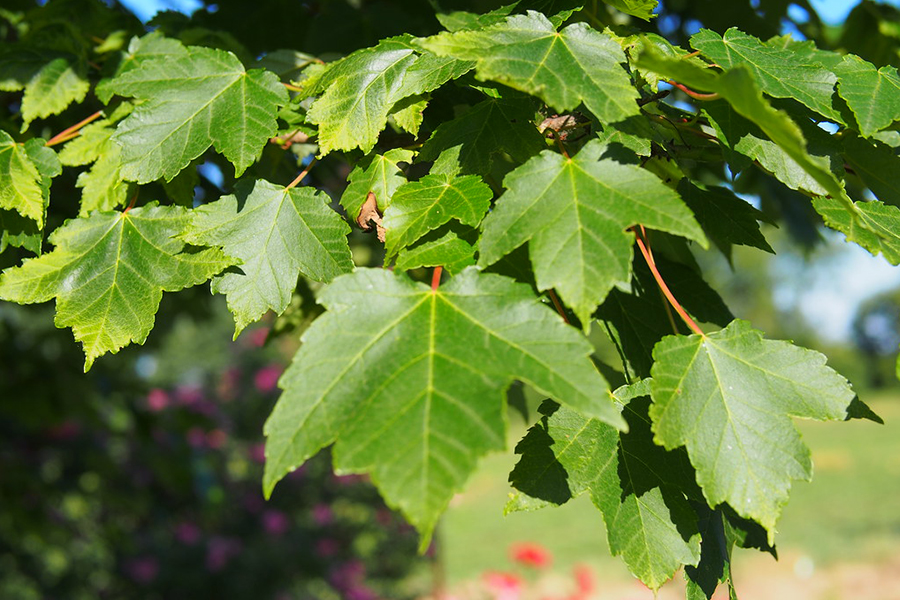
(532, 152)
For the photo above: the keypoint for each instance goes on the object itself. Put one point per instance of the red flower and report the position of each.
(503, 586)
(530, 555)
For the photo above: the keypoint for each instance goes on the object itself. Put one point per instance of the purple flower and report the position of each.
(322, 515)
(275, 522)
(187, 533)
(257, 453)
(143, 569)
(220, 551)
(196, 437)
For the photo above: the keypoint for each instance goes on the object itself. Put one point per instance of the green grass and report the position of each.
(851, 510)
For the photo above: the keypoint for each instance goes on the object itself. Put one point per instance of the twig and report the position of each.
(436, 278)
(648, 257)
(692, 93)
(302, 174)
(558, 305)
(70, 132)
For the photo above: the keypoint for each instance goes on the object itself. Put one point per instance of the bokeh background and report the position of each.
(142, 479)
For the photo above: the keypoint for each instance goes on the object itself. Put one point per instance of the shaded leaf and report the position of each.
(108, 272)
(411, 383)
(876, 164)
(648, 519)
(725, 218)
(277, 234)
(491, 127)
(728, 397)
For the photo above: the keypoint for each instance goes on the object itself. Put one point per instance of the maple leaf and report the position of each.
(491, 127)
(778, 72)
(52, 80)
(26, 170)
(379, 174)
(421, 206)
(276, 234)
(359, 91)
(193, 98)
(574, 213)
(103, 187)
(577, 65)
(108, 272)
(872, 94)
(448, 251)
(410, 382)
(728, 397)
(648, 519)
(872, 225)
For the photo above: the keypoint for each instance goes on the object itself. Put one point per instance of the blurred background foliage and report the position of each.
(142, 479)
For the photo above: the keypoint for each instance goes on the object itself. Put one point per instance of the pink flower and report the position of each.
(275, 522)
(266, 378)
(503, 586)
(530, 554)
(322, 515)
(187, 533)
(157, 400)
(143, 569)
(187, 395)
(257, 337)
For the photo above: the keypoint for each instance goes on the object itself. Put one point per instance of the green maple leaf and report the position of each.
(574, 66)
(876, 164)
(52, 80)
(193, 98)
(447, 250)
(276, 234)
(103, 187)
(738, 87)
(410, 382)
(461, 20)
(574, 213)
(494, 126)
(725, 218)
(648, 519)
(872, 94)
(358, 92)
(424, 205)
(872, 225)
(26, 170)
(728, 397)
(642, 9)
(778, 72)
(380, 174)
(108, 272)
